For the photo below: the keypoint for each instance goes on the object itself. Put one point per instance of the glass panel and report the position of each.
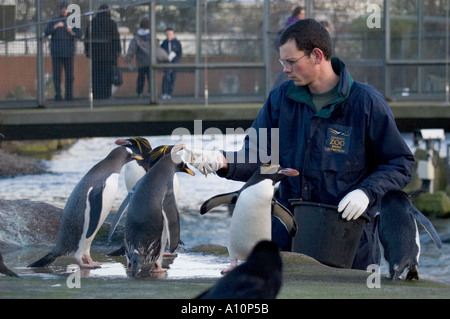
(434, 29)
(417, 82)
(404, 29)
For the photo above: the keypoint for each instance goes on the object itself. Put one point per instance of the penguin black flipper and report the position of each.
(285, 217)
(418, 216)
(228, 198)
(170, 209)
(120, 212)
(45, 261)
(5, 270)
(95, 203)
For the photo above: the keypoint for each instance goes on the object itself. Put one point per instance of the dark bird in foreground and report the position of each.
(259, 277)
(4, 270)
(399, 235)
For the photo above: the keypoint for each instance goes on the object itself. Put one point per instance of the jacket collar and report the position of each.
(302, 93)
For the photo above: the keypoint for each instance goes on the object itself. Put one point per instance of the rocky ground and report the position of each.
(13, 165)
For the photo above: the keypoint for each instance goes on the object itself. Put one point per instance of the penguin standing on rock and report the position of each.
(86, 209)
(396, 223)
(135, 170)
(152, 217)
(251, 220)
(259, 277)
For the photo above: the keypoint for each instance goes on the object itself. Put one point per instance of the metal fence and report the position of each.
(229, 51)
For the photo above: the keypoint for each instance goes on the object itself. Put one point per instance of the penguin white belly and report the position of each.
(251, 220)
(417, 241)
(164, 237)
(132, 173)
(108, 197)
(176, 186)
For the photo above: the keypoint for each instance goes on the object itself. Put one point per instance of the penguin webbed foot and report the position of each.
(94, 265)
(157, 268)
(234, 264)
(413, 273)
(89, 265)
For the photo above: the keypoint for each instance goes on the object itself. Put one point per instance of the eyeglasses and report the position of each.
(289, 65)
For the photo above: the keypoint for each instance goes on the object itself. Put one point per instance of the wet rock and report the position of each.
(40, 149)
(210, 249)
(13, 165)
(436, 204)
(28, 223)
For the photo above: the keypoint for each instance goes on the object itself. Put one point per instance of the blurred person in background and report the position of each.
(139, 48)
(174, 50)
(62, 50)
(105, 50)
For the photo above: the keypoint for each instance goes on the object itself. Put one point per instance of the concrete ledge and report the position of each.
(76, 122)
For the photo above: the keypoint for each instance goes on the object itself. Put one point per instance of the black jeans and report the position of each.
(58, 64)
(143, 73)
(101, 79)
(168, 81)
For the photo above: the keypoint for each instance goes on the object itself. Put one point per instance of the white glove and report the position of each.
(172, 56)
(205, 161)
(354, 204)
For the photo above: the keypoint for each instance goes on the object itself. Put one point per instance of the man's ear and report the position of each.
(318, 55)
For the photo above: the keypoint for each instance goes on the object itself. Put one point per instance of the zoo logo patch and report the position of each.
(338, 139)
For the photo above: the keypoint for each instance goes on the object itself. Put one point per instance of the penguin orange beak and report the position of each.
(289, 172)
(138, 157)
(189, 171)
(122, 141)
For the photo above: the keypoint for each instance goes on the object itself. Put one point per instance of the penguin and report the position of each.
(251, 218)
(398, 234)
(135, 170)
(4, 270)
(86, 209)
(153, 217)
(259, 277)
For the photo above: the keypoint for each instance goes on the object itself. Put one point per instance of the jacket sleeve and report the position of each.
(77, 32)
(179, 52)
(116, 45)
(131, 51)
(49, 29)
(256, 149)
(87, 47)
(392, 159)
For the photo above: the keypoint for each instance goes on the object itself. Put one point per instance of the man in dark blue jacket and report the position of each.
(175, 51)
(62, 49)
(339, 133)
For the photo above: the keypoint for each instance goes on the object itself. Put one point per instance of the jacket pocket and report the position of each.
(342, 171)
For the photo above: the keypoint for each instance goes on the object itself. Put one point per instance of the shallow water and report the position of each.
(67, 168)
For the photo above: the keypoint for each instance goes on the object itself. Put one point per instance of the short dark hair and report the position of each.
(144, 23)
(297, 11)
(308, 35)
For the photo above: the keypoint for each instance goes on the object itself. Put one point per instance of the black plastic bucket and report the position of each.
(324, 235)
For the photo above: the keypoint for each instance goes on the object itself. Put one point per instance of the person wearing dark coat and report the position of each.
(62, 50)
(139, 48)
(105, 50)
(174, 50)
(340, 134)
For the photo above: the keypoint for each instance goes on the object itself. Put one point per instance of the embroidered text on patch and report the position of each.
(338, 140)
